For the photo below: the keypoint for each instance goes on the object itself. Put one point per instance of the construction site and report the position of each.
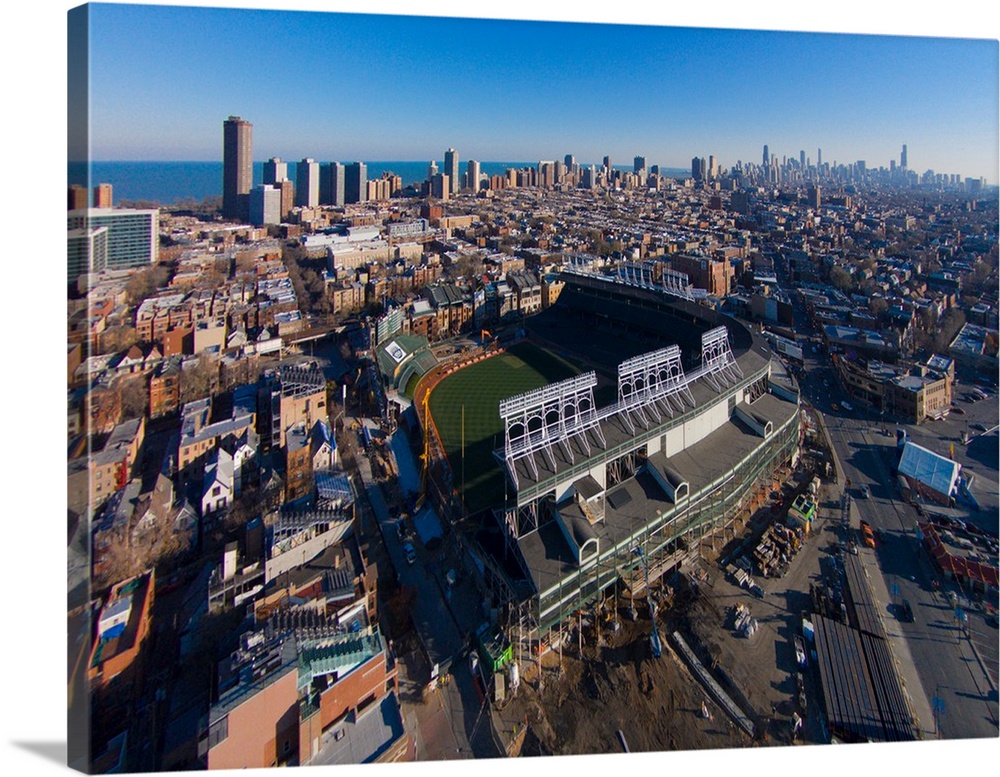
(671, 668)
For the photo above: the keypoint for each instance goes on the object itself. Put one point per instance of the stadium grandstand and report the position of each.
(698, 420)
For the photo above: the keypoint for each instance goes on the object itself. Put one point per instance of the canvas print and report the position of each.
(445, 388)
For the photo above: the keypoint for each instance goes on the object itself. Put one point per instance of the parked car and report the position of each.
(410, 551)
(865, 491)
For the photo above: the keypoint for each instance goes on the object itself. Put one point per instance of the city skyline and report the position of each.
(661, 92)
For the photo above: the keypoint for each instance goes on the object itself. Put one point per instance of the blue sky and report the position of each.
(345, 86)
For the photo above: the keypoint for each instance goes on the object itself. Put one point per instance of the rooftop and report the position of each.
(362, 738)
(631, 506)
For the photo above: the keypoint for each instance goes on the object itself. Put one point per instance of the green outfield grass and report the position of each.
(479, 389)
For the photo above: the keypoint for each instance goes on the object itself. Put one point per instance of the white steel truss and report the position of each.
(644, 379)
(717, 363)
(552, 415)
(641, 274)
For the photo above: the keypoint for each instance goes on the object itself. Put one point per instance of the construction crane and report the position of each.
(654, 636)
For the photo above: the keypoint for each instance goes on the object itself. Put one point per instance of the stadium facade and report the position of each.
(694, 443)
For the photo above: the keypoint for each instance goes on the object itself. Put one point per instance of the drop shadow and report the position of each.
(50, 751)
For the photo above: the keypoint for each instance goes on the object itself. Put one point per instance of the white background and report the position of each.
(33, 678)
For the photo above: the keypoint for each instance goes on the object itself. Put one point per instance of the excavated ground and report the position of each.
(616, 685)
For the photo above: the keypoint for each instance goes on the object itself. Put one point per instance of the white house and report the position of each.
(324, 447)
(243, 449)
(218, 489)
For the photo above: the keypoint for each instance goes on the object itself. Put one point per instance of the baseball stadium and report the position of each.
(627, 424)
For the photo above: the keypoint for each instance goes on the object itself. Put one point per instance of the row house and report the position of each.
(527, 292)
(452, 306)
(218, 488)
(299, 481)
(136, 360)
(198, 437)
(302, 396)
(423, 319)
(111, 467)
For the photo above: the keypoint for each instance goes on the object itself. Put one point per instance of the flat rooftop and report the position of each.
(632, 505)
(362, 738)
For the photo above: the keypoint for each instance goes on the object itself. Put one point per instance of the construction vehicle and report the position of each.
(654, 637)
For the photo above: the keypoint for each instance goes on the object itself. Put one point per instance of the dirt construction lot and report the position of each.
(656, 703)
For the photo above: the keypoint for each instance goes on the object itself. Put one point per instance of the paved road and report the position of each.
(452, 722)
(941, 665)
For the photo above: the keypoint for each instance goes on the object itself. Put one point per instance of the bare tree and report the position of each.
(243, 509)
(199, 381)
(134, 391)
(145, 282)
(117, 338)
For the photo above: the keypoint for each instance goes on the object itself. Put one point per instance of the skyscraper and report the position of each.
(639, 165)
(307, 183)
(472, 175)
(546, 174)
(451, 169)
(570, 161)
(767, 157)
(356, 182)
(102, 195)
(819, 157)
(331, 184)
(802, 159)
(902, 157)
(698, 168)
(275, 171)
(607, 165)
(237, 167)
(432, 169)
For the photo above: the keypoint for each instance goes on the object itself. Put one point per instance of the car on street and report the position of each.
(410, 552)
(867, 534)
(865, 491)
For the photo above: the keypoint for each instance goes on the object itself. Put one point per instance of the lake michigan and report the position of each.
(168, 183)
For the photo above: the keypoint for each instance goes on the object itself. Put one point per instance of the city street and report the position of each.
(450, 722)
(959, 689)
